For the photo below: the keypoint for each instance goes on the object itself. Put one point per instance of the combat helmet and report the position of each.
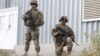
(63, 18)
(34, 2)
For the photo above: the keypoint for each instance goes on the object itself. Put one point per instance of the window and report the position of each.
(2, 23)
(91, 10)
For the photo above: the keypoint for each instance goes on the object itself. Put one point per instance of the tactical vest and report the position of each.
(30, 21)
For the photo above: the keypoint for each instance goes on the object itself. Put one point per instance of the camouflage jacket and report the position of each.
(56, 32)
(37, 15)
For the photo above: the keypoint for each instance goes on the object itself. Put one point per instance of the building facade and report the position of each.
(76, 10)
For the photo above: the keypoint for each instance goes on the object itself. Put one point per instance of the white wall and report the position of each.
(8, 28)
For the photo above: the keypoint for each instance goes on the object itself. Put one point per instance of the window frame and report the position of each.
(87, 20)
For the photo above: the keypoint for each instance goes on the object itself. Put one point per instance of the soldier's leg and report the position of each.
(35, 36)
(37, 46)
(58, 50)
(69, 45)
(27, 41)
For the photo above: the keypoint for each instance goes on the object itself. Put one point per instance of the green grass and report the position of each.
(5, 52)
(94, 49)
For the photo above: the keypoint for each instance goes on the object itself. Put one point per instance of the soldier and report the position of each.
(33, 19)
(63, 36)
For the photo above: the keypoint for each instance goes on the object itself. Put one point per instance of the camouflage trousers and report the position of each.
(32, 34)
(60, 45)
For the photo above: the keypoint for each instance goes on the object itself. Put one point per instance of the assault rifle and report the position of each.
(65, 34)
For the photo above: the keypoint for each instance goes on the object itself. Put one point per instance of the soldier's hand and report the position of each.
(56, 34)
(27, 16)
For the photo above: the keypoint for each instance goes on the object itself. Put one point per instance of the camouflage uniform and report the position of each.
(60, 42)
(32, 33)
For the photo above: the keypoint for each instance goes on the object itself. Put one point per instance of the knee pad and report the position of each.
(69, 40)
(37, 48)
(58, 52)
